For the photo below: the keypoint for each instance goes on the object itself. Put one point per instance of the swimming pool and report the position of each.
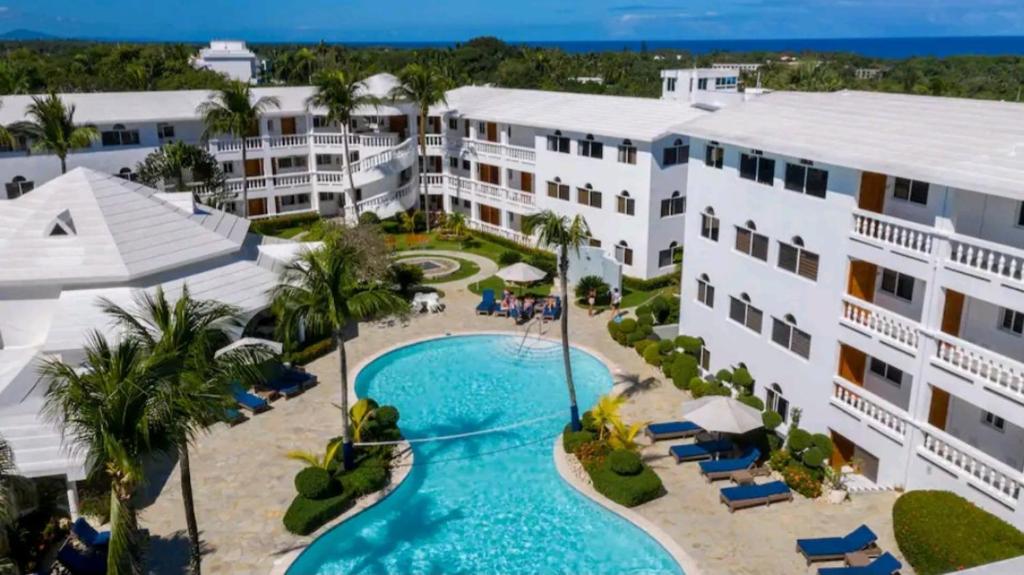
(491, 503)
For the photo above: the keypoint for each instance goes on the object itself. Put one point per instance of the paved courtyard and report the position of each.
(243, 482)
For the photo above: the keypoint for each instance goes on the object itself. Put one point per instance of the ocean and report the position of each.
(872, 47)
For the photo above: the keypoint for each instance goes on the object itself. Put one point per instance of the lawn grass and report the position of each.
(632, 298)
(466, 269)
(479, 246)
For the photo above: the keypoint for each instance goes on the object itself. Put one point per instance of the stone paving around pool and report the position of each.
(243, 482)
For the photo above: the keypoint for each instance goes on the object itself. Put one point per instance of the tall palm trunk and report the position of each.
(563, 269)
(63, 164)
(348, 169)
(347, 449)
(423, 165)
(245, 183)
(122, 551)
(190, 508)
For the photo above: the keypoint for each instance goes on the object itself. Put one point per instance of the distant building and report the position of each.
(229, 57)
(588, 79)
(737, 66)
(705, 88)
(869, 73)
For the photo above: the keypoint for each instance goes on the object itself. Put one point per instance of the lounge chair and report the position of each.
(833, 548)
(233, 417)
(249, 401)
(672, 430)
(555, 311)
(723, 468)
(700, 450)
(487, 303)
(285, 388)
(885, 564)
(754, 495)
(92, 562)
(296, 376)
(89, 536)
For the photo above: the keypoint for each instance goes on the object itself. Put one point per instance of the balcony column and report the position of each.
(72, 490)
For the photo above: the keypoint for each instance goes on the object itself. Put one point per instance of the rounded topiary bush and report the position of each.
(666, 346)
(634, 337)
(644, 321)
(752, 401)
(316, 483)
(822, 442)
(771, 420)
(799, 440)
(652, 355)
(689, 344)
(509, 257)
(814, 457)
(683, 370)
(643, 310)
(627, 326)
(571, 440)
(625, 462)
(742, 379)
(724, 375)
(588, 422)
(369, 218)
(642, 345)
(939, 532)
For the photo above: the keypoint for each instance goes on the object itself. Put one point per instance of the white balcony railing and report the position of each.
(520, 153)
(994, 370)
(893, 327)
(500, 231)
(294, 141)
(435, 140)
(893, 232)
(323, 139)
(507, 151)
(983, 471)
(987, 257)
(864, 403)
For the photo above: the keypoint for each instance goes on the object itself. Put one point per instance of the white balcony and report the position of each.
(997, 261)
(892, 327)
(506, 233)
(893, 232)
(992, 370)
(495, 150)
(861, 403)
(981, 471)
(321, 142)
(435, 140)
(491, 192)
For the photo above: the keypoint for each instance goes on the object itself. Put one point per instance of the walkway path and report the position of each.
(487, 266)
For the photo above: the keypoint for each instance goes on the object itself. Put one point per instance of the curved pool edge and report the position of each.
(679, 555)
(401, 467)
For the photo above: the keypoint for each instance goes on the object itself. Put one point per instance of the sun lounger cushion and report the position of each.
(755, 491)
(487, 303)
(727, 465)
(856, 540)
(672, 428)
(93, 562)
(700, 450)
(89, 536)
(885, 564)
(248, 400)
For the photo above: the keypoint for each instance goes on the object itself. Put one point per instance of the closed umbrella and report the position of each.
(273, 346)
(722, 414)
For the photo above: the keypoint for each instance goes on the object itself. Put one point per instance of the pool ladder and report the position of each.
(539, 322)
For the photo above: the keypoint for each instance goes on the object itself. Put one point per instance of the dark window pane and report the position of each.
(766, 171)
(902, 189)
(787, 257)
(669, 156)
(795, 174)
(889, 281)
(809, 265)
(737, 310)
(711, 297)
(748, 166)
(754, 319)
(743, 240)
(905, 287)
(665, 207)
(760, 250)
(919, 193)
(817, 182)
(780, 333)
(597, 150)
(801, 344)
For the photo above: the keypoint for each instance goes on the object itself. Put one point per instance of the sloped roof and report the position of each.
(121, 232)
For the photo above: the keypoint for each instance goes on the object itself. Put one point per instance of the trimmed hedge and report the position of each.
(305, 516)
(625, 462)
(509, 257)
(316, 483)
(691, 345)
(753, 401)
(628, 490)
(311, 352)
(271, 226)
(939, 532)
(652, 355)
(571, 440)
(637, 284)
(369, 476)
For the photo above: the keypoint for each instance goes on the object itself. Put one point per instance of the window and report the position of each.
(557, 189)
(466, 165)
(786, 334)
(804, 179)
(702, 84)
(756, 167)
(1013, 321)
(674, 206)
(588, 196)
(677, 153)
(625, 204)
(292, 162)
(670, 84)
(120, 136)
(889, 373)
(773, 401)
(992, 420)
(714, 156)
(911, 191)
(705, 291)
(741, 312)
(794, 258)
(320, 122)
(624, 253)
(18, 186)
(164, 131)
(594, 243)
(752, 243)
(709, 225)
(899, 285)
(627, 152)
(1020, 215)
(590, 148)
(558, 143)
(670, 256)
(705, 358)
(453, 123)
(453, 162)
(228, 167)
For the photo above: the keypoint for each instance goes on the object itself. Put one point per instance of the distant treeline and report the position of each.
(73, 66)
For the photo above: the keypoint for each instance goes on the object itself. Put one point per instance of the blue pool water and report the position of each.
(492, 503)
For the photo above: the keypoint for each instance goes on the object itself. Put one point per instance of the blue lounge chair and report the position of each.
(93, 562)
(555, 311)
(672, 430)
(885, 564)
(700, 450)
(832, 548)
(754, 495)
(293, 376)
(487, 303)
(253, 403)
(285, 388)
(723, 468)
(89, 536)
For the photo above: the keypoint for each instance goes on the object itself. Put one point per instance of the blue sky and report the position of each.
(412, 20)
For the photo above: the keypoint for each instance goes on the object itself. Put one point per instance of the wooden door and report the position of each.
(872, 192)
(842, 451)
(488, 173)
(288, 126)
(939, 409)
(257, 207)
(490, 215)
(851, 364)
(952, 312)
(398, 125)
(861, 283)
(253, 168)
(527, 179)
(492, 132)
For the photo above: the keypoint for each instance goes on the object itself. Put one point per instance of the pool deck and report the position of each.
(243, 483)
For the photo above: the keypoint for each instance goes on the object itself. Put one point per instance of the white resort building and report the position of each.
(231, 58)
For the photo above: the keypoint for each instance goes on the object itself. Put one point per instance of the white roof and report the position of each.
(644, 119)
(969, 144)
(114, 230)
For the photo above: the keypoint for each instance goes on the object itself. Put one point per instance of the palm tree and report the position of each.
(7, 509)
(341, 94)
(425, 87)
(6, 138)
(197, 392)
(52, 128)
(322, 292)
(109, 406)
(232, 110)
(562, 234)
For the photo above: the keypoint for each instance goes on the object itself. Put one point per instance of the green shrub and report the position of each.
(305, 516)
(742, 379)
(669, 363)
(369, 218)
(637, 284)
(822, 442)
(643, 310)
(645, 321)
(625, 462)
(316, 483)
(587, 283)
(780, 459)
(311, 352)
(683, 370)
(666, 346)
(771, 420)
(509, 257)
(940, 532)
(652, 356)
(627, 326)
(405, 276)
(689, 344)
(571, 440)
(813, 457)
(752, 401)
(370, 475)
(661, 309)
(628, 490)
(386, 416)
(588, 422)
(635, 337)
(544, 262)
(799, 440)
(642, 345)
(271, 226)
(724, 375)
(613, 329)
(695, 383)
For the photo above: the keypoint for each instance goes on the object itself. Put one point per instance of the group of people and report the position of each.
(523, 308)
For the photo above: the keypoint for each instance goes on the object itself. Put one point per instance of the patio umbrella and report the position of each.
(521, 273)
(273, 346)
(722, 414)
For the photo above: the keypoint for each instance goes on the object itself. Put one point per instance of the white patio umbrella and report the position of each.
(722, 414)
(273, 346)
(521, 273)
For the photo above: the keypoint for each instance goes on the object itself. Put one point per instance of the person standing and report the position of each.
(616, 302)
(591, 298)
